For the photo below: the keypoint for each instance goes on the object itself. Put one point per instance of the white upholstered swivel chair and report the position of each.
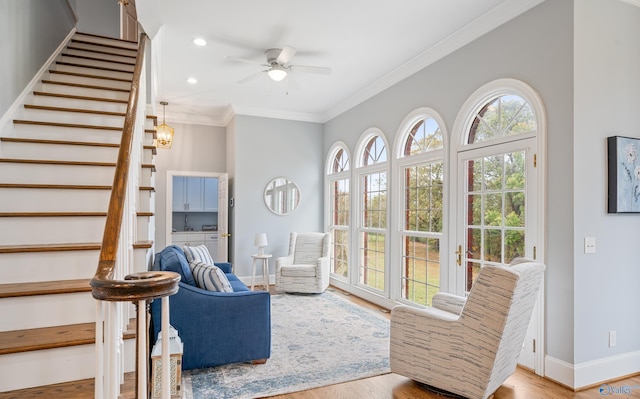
(468, 347)
(306, 268)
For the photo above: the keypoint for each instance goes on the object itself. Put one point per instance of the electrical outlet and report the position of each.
(612, 339)
(589, 245)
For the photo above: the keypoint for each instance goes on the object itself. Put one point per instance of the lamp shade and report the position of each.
(261, 240)
(164, 136)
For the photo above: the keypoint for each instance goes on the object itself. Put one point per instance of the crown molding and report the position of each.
(480, 26)
(278, 114)
(633, 2)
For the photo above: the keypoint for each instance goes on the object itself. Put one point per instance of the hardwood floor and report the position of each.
(523, 384)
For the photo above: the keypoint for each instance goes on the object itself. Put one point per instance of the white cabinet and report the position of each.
(210, 240)
(195, 194)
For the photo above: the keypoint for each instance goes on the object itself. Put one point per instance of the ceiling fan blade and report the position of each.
(251, 77)
(285, 55)
(229, 58)
(311, 69)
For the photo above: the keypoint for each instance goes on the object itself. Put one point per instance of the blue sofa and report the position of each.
(215, 327)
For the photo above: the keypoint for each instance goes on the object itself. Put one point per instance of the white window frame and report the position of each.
(400, 163)
(331, 177)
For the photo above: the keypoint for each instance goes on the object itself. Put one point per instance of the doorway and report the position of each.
(197, 211)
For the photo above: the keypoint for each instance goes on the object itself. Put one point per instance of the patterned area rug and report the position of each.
(317, 340)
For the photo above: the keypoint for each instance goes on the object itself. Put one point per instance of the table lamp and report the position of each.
(261, 242)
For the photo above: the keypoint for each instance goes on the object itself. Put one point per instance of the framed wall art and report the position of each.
(624, 174)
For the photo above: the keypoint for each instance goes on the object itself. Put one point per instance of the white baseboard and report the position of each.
(593, 372)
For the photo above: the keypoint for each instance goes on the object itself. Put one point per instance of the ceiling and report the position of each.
(368, 44)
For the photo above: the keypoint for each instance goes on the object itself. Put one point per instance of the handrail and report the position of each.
(137, 286)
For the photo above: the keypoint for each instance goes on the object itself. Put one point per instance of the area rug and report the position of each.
(317, 340)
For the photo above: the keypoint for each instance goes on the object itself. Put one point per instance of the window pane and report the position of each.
(493, 245)
(424, 136)
(340, 259)
(492, 172)
(421, 269)
(504, 116)
(375, 151)
(372, 260)
(513, 245)
(493, 210)
(375, 200)
(340, 161)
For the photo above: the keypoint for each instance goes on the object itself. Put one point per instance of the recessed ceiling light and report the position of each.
(199, 41)
(192, 80)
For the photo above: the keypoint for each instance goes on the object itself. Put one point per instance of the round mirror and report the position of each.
(282, 196)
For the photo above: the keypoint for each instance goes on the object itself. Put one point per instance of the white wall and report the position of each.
(607, 103)
(195, 148)
(266, 148)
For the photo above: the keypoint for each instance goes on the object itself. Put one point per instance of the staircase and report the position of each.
(57, 162)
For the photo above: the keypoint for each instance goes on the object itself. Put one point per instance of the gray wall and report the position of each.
(266, 148)
(541, 57)
(99, 17)
(195, 148)
(607, 103)
(30, 31)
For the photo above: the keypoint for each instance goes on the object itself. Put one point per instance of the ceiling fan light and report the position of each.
(277, 73)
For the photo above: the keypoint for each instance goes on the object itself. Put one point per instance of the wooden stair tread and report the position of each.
(61, 142)
(69, 125)
(44, 288)
(117, 39)
(101, 68)
(87, 246)
(72, 47)
(74, 40)
(12, 249)
(75, 97)
(77, 110)
(80, 389)
(27, 340)
(47, 338)
(86, 57)
(85, 86)
(87, 75)
(56, 162)
(62, 214)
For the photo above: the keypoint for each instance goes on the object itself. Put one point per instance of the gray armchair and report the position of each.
(470, 346)
(306, 268)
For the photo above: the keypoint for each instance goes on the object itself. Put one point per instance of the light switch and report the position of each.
(589, 245)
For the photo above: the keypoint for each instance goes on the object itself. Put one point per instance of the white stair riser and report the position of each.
(45, 266)
(116, 84)
(93, 71)
(67, 133)
(96, 63)
(105, 41)
(86, 92)
(99, 54)
(46, 311)
(52, 366)
(58, 152)
(78, 103)
(57, 200)
(51, 230)
(56, 174)
(70, 117)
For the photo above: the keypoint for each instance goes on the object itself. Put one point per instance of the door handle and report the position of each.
(459, 253)
(226, 235)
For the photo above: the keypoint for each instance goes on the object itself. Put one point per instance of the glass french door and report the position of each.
(496, 213)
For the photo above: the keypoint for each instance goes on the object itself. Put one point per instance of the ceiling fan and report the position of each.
(278, 65)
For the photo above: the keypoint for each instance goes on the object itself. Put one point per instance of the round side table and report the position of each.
(265, 269)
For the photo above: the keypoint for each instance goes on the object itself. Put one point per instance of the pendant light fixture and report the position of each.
(164, 132)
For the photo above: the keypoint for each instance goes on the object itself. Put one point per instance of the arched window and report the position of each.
(505, 115)
(421, 168)
(372, 207)
(338, 174)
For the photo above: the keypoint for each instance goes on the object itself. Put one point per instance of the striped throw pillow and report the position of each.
(209, 277)
(199, 253)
